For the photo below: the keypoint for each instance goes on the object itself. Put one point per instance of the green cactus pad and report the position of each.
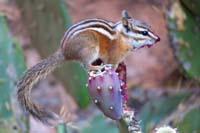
(157, 109)
(184, 30)
(99, 124)
(11, 66)
(190, 123)
(193, 6)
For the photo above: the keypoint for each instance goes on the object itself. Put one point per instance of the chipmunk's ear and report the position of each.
(125, 18)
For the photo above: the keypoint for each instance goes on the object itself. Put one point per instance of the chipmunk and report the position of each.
(86, 42)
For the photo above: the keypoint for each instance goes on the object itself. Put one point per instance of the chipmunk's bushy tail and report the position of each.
(25, 84)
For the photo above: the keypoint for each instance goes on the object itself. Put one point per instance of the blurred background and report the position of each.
(163, 81)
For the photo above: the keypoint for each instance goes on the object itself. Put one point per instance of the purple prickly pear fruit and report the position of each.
(105, 91)
(121, 69)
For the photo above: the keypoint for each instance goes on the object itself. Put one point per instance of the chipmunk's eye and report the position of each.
(144, 33)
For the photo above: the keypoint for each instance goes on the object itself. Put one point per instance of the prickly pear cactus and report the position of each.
(105, 91)
(155, 110)
(128, 122)
(61, 128)
(11, 66)
(193, 6)
(97, 124)
(191, 117)
(121, 70)
(166, 129)
(184, 29)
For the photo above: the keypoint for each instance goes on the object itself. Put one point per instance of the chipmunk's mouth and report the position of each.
(143, 46)
(148, 45)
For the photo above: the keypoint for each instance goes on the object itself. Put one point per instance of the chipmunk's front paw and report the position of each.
(100, 68)
(108, 65)
(96, 68)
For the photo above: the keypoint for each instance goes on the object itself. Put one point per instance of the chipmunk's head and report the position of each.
(135, 32)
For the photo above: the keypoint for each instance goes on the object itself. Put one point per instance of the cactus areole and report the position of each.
(105, 90)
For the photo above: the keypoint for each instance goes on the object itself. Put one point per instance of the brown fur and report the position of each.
(85, 48)
(32, 76)
(113, 51)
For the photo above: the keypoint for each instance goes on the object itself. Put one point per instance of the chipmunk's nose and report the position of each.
(158, 39)
(154, 36)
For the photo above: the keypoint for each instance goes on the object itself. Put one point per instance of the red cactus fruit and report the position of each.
(105, 91)
(121, 69)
